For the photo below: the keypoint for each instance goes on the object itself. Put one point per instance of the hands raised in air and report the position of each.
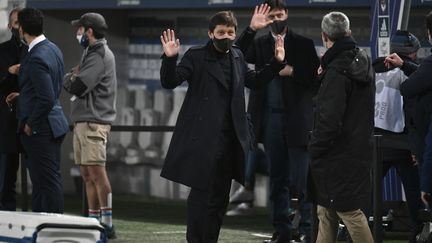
(279, 49)
(170, 44)
(259, 19)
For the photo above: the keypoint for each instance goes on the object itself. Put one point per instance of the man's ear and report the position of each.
(210, 34)
(324, 37)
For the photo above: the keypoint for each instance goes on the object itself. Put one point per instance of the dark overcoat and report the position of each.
(297, 90)
(192, 152)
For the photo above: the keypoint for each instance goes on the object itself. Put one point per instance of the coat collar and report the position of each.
(36, 41)
(216, 70)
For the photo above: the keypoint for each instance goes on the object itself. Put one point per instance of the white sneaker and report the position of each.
(241, 209)
(242, 195)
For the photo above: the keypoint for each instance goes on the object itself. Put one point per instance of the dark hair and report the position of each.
(223, 18)
(429, 22)
(96, 34)
(15, 10)
(31, 21)
(276, 4)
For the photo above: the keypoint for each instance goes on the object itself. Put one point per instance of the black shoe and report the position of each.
(274, 237)
(109, 231)
(279, 238)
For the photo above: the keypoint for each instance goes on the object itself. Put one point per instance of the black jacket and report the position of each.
(298, 90)
(11, 52)
(192, 152)
(340, 146)
(418, 88)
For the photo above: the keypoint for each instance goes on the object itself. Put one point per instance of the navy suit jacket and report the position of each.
(40, 81)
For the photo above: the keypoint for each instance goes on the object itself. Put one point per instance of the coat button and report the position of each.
(200, 118)
(206, 98)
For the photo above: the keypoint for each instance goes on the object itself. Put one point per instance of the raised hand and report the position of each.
(393, 60)
(170, 44)
(279, 49)
(259, 19)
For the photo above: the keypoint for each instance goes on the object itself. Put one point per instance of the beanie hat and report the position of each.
(404, 43)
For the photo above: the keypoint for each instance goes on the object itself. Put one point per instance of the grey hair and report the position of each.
(336, 25)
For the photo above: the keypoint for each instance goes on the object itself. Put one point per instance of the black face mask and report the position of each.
(278, 26)
(223, 44)
(15, 33)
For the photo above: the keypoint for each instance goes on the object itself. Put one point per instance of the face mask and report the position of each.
(21, 37)
(83, 40)
(15, 33)
(278, 26)
(223, 44)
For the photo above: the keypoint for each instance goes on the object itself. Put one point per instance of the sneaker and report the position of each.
(241, 209)
(242, 195)
(109, 231)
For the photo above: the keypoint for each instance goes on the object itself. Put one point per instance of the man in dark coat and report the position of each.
(211, 137)
(281, 113)
(340, 146)
(11, 52)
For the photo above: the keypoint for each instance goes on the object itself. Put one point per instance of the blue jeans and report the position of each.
(288, 171)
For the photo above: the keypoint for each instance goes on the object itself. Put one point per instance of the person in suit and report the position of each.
(11, 51)
(211, 137)
(41, 122)
(281, 113)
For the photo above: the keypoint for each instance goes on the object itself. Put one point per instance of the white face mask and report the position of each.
(79, 37)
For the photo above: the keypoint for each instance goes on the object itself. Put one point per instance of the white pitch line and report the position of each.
(169, 232)
(261, 235)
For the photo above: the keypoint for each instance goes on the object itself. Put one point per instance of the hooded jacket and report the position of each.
(340, 145)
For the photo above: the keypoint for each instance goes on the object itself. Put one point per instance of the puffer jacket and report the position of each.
(340, 145)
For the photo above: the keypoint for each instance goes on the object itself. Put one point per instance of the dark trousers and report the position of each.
(409, 175)
(9, 164)
(43, 162)
(288, 170)
(206, 208)
(256, 162)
